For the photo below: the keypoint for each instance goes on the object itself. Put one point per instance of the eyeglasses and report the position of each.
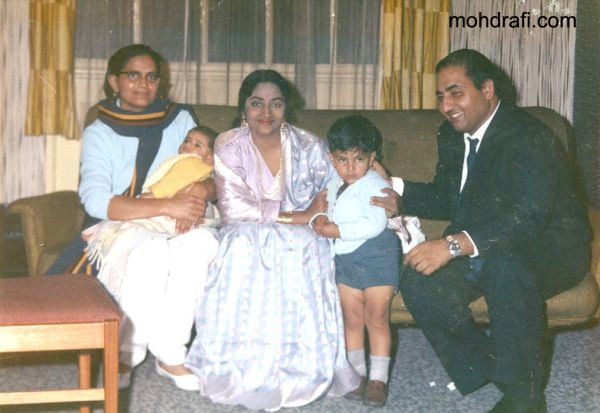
(135, 76)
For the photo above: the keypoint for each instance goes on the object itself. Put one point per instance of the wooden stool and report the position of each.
(62, 313)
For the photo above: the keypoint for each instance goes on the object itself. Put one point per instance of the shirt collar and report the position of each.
(481, 131)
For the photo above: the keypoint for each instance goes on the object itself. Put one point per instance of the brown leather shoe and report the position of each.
(358, 393)
(375, 394)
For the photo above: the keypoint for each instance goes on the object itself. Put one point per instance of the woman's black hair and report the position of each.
(267, 76)
(209, 132)
(355, 132)
(121, 57)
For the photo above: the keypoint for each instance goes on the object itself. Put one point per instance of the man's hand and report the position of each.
(377, 167)
(428, 256)
(389, 202)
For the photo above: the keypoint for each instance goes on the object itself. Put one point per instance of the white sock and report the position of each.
(357, 360)
(379, 368)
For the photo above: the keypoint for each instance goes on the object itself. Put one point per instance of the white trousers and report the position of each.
(165, 277)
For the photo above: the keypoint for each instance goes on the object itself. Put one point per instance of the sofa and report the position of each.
(409, 151)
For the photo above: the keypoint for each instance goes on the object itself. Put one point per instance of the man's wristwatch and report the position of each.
(453, 246)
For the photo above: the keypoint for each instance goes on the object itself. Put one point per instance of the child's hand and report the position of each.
(319, 223)
(327, 229)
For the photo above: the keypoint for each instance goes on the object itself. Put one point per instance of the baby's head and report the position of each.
(354, 142)
(200, 140)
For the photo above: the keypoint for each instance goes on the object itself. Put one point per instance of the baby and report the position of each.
(110, 242)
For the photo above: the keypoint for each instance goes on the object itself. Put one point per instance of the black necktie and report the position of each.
(472, 154)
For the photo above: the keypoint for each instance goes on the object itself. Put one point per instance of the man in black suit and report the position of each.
(517, 235)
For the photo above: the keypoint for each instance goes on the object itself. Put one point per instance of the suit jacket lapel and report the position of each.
(492, 140)
(455, 147)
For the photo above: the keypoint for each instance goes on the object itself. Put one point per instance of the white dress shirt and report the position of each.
(398, 183)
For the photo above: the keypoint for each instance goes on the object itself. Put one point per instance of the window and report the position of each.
(285, 40)
(328, 48)
(253, 31)
(236, 31)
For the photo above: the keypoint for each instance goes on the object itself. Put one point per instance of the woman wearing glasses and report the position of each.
(138, 128)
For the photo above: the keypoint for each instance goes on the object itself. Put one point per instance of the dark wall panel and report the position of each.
(586, 106)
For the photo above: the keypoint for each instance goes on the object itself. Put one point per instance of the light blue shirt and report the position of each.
(108, 160)
(353, 213)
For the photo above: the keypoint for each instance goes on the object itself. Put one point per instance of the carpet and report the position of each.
(418, 382)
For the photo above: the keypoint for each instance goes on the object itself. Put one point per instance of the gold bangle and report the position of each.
(285, 217)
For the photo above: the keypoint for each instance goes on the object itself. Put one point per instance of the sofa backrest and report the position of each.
(409, 148)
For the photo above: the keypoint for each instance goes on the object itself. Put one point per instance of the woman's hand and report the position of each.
(191, 205)
(184, 225)
(319, 204)
(206, 189)
(186, 206)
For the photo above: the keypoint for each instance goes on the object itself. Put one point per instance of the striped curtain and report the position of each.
(415, 36)
(50, 101)
(22, 159)
(540, 61)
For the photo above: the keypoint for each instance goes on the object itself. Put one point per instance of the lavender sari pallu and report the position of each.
(270, 330)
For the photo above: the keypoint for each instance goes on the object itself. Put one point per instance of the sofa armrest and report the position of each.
(49, 222)
(594, 217)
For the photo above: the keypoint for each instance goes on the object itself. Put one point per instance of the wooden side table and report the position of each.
(62, 313)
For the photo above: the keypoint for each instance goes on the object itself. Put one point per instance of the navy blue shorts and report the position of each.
(376, 262)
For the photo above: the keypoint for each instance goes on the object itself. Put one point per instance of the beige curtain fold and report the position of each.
(415, 36)
(50, 100)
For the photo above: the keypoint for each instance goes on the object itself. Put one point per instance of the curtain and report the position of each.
(22, 159)
(50, 103)
(328, 48)
(539, 60)
(415, 36)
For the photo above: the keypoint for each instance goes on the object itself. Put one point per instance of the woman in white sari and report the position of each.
(270, 331)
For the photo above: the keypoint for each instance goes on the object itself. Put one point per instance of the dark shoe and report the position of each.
(506, 405)
(124, 380)
(375, 394)
(125, 372)
(359, 392)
